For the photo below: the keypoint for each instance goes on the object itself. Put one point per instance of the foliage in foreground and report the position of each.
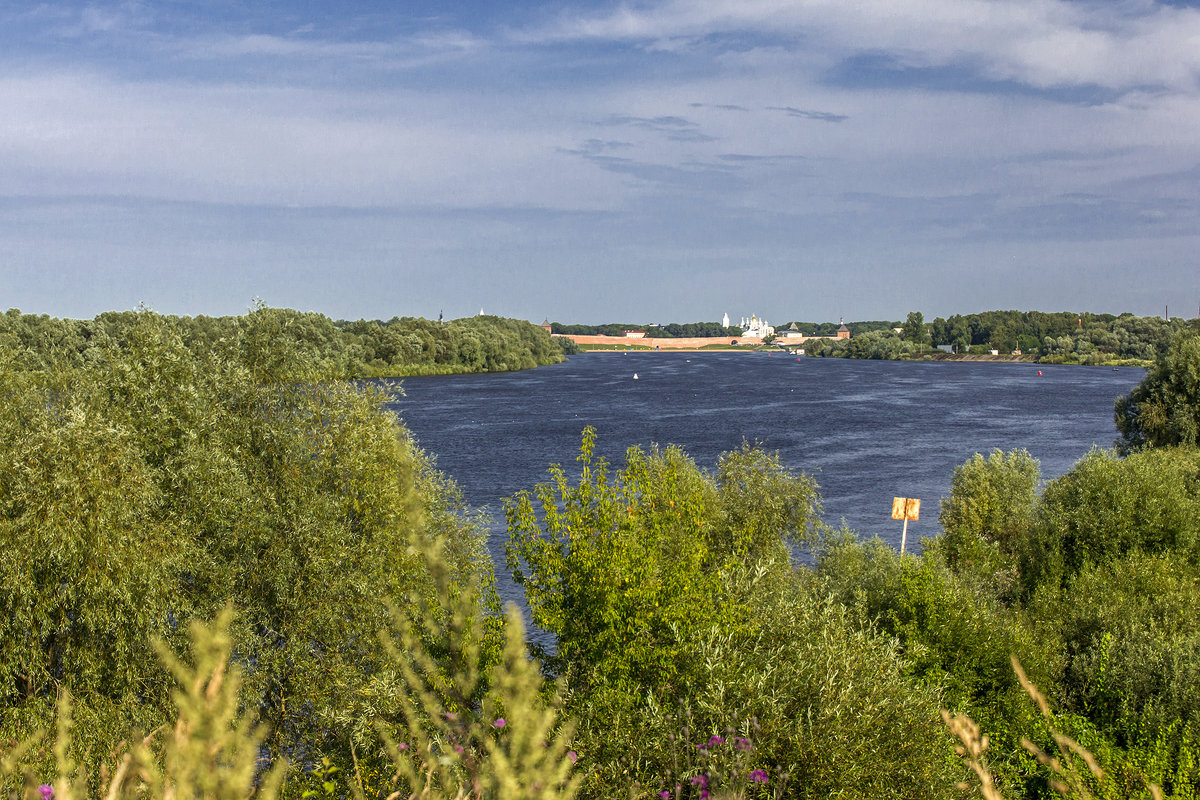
(677, 618)
(1094, 590)
(154, 486)
(509, 744)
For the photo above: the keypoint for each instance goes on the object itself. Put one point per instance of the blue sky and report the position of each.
(589, 162)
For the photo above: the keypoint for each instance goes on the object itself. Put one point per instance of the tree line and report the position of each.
(1066, 336)
(673, 330)
(360, 349)
(1058, 338)
(155, 485)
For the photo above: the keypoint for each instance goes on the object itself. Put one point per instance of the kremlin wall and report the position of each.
(661, 343)
(638, 338)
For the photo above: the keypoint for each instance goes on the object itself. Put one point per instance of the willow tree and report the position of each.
(155, 485)
(1164, 409)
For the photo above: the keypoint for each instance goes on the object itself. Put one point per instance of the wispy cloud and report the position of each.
(676, 129)
(957, 128)
(745, 158)
(802, 113)
(1042, 43)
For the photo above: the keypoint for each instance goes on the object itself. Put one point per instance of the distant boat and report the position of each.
(635, 377)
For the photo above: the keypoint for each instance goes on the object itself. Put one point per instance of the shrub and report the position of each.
(666, 586)
(1132, 642)
(154, 485)
(1106, 507)
(1164, 409)
(991, 500)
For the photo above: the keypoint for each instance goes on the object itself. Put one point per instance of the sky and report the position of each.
(588, 162)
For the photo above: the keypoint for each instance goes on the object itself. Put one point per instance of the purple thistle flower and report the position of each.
(664, 794)
(572, 756)
(758, 776)
(500, 723)
(715, 740)
(742, 743)
(47, 791)
(700, 780)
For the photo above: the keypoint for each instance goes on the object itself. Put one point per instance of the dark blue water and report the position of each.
(866, 430)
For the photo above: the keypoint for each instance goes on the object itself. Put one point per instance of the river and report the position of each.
(865, 430)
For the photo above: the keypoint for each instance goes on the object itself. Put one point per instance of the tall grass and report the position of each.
(469, 734)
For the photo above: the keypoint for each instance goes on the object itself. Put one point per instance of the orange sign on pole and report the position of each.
(905, 508)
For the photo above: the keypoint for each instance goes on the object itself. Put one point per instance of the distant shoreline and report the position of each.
(929, 358)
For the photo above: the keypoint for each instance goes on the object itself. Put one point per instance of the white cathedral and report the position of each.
(751, 326)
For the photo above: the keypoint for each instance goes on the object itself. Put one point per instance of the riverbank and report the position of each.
(1032, 359)
(708, 349)
(940, 357)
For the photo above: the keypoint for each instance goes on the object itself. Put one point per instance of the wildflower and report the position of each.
(572, 756)
(758, 776)
(458, 748)
(500, 723)
(664, 794)
(700, 780)
(47, 791)
(742, 743)
(402, 746)
(715, 740)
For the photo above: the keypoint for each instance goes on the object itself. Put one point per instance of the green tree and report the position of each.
(677, 616)
(1107, 507)
(1164, 409)
(991, 501)
(914, 328)
(154, 486)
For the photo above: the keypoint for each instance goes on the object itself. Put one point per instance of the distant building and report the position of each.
(753, 326)
(843, 332)
(793, 332)
(634, 334)
(546, 325)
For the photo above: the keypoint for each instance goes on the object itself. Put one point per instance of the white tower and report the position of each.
(725, 321)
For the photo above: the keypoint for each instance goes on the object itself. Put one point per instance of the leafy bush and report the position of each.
(991, 500)
(153, 486)
(674, 606)
(1132, 643)
(953, 635)
(509, 744)
(1164, 409)
(1106, 507)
